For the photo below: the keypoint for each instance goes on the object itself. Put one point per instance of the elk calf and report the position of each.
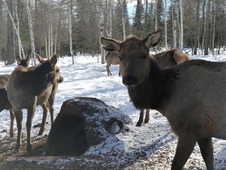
(190, 95)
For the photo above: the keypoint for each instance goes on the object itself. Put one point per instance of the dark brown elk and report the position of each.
(27, 88)
(112, 58)
(190, 95)
(165, 60)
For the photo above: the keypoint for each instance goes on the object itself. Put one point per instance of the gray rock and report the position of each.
(84, 122)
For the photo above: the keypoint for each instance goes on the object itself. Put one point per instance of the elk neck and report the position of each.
(155, 89)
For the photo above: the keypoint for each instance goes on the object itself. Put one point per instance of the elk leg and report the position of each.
(50, 106)
(119, 70)
(140, 118)
(108, 70)
(19, 119)
(184, 149)
(51, 110)
(147, 116)
(11, 122)
(30, 115)
(206, 148)
(45, 111)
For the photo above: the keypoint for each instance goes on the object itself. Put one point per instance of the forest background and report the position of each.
(71, 27)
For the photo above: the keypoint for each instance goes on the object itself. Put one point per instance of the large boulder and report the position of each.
(84, 122)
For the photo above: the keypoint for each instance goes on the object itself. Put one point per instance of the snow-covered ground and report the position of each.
(152, 143)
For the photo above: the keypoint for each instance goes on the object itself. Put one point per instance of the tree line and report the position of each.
(69, 27)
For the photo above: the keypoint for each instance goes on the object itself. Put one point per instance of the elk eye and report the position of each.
(145, 56)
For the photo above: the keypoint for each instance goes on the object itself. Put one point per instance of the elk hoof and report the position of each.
(17, 149)
(29, 149)
(138, 124)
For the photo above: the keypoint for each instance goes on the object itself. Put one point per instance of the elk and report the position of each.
(165, 60)
(27, 88)
(4, 102)
(51, 99)
(23, 62)
(190, 95)
(112, 58)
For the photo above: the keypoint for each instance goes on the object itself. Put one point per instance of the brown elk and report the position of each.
(23, 62)
(165, 60)
(190, 95)
(4, 102)
(112, 58)
(51, 99)
(29, 87)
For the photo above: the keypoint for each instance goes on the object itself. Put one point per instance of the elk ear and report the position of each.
(153, 39)
(110, 44)
(40, 59)
(18, 60)
(28, 58)
(53, 60)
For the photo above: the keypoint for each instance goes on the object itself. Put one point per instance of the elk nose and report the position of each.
(60, 80)
(129, 80)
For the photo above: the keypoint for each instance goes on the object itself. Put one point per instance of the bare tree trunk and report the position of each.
(214, 24)
(56, 40)
(197, 28)
(174, 25)
(156, 15)
(1, 31)
(165, 23)
(70, 30)
(181, 35)
(207, 37)
(10, 35)
(204, 24)
(137, 26)
(31, 33)
(18, 26)
(123, 20)
(110, 17)
(101, 12)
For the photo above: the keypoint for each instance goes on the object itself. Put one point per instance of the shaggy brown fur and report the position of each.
(165, 60)
(190, 95)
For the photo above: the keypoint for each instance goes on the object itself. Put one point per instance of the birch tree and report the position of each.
(197, 27)
(181, 35)
(70, 29)
(165, 23)
(207, 37)
(123, 20)
(10, 37)
(156, 15)
(1, 31)
(174, 25)
(30, 24)
(213, 23)
(204, 23)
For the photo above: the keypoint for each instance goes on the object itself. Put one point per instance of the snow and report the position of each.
(153, 143)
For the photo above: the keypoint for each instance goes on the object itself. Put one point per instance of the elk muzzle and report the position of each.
(129, 81)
